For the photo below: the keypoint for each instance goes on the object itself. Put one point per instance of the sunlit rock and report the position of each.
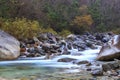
(110, 50)
(9, 47)
(71, 37)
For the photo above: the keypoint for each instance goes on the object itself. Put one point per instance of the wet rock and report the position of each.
(88, 69)
(118, 71)
(55, 47)
(22, 50)
(31, 50)
(81, 62)
(53, 51)
(106, 67)
(98, 36)
(37, 55)
(97, 73)
(65, 51)
(114, 73)
(111, 65)
(111, 73)
(39, 50)
(30, 55)
(9, 47)
(111, 50)
(46, 47)
(66, 60)
(42, 37)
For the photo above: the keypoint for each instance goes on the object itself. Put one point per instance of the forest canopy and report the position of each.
(60, 16)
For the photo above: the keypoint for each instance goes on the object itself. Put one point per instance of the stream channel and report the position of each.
(37, 66)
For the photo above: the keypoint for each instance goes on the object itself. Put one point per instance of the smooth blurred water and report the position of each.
(23, 68)
(32, 66)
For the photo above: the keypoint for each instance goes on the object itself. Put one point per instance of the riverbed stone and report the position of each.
(111, 65)
(9, 46)
(71, 37)
(82, 62)
(97, 72)
(110, 50)
(66, 59)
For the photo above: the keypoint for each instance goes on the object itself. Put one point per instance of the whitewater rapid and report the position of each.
(89, 55)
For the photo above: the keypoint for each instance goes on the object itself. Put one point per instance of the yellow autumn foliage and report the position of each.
(82, 23)
(65, 33)
(83, 9)
(85, 20)
(20, 27)
(48, 30)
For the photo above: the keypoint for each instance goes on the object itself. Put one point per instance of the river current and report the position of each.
(31, 66)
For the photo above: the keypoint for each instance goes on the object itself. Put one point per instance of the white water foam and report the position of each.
(89, 55)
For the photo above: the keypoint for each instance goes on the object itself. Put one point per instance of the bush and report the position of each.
(81, 24)
(116, 31)
(65, 33)
(48, 30)
(20, 27)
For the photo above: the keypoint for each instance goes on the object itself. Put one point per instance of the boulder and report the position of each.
(81, 62)
(9, 47)
(110, 50)
(66, 59)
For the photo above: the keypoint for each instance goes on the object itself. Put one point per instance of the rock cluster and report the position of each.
(51, 45)
(109, 69)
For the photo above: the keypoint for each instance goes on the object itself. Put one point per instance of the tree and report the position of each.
(82, 23)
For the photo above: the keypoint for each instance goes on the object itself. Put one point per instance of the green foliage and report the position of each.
(65, 33)
(57, 15)
(55, 18)
(116, 31)
(4, 8)
(82, 23)
(60, 14)
(20, 27)
(8, 8)
(48, 30)
(94, 10)
(101, 28)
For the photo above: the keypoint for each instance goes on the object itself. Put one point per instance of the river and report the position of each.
(24, 67)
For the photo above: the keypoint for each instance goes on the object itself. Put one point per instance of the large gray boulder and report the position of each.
(9, 47)
(110, 50)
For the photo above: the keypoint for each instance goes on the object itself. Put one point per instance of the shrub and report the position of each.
(64, 33)
(20, 27)
(48, 30)
(81, 23)
(116, 31)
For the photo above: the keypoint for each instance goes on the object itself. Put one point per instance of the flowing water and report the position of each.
(37, 66)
